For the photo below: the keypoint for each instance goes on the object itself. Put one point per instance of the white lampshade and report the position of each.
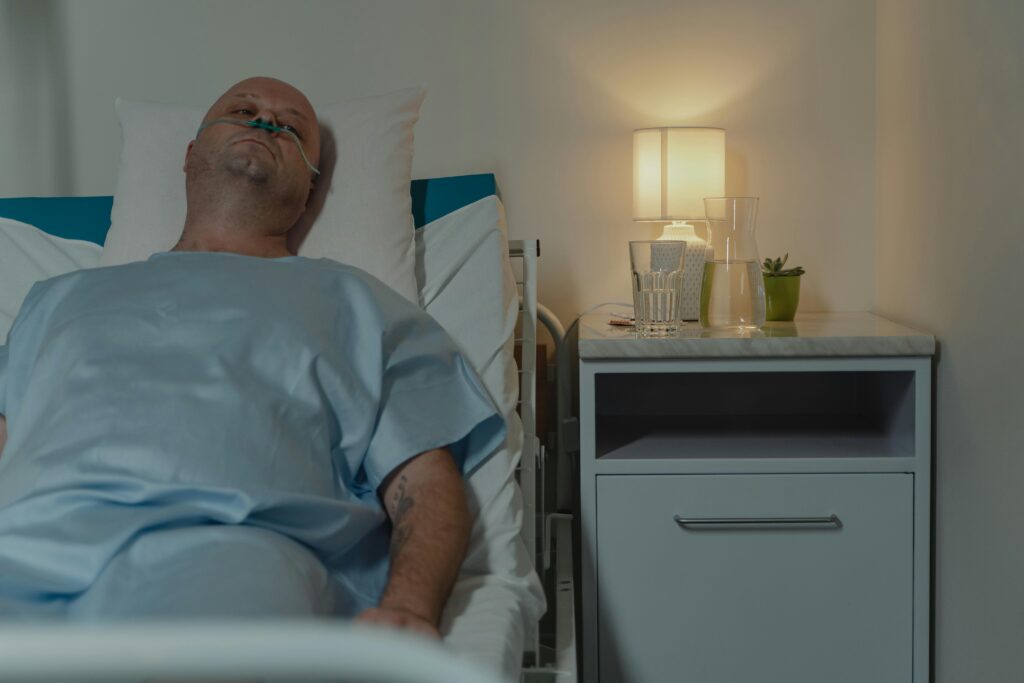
(674, 169)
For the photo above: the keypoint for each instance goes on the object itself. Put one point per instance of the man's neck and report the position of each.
(240, 225)
(269, 247)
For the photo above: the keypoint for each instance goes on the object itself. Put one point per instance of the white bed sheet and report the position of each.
(483, 624)
(466, 283)
(27, 255)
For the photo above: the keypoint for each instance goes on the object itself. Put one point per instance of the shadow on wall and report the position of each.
(817, 185)
(681, 63)
(800, 135)
(34, 81)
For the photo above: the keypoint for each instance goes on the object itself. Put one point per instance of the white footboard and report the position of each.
(279, 650)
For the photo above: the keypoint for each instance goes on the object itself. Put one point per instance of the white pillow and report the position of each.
(28, 255)
(467, 285)
(361, 211)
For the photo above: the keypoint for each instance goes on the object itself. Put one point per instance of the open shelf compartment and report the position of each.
(821, 414)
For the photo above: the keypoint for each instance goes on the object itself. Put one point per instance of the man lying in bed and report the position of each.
(227, 429)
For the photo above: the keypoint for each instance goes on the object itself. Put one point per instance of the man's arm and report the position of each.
(426, 501)
(3, 433)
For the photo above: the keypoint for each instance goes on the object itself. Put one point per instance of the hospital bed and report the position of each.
(492, 620)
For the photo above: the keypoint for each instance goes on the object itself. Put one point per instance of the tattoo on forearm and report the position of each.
(401, 503)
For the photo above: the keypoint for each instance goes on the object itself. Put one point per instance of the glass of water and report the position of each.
(657, 285)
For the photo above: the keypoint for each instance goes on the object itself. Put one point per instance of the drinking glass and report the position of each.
(657, 269)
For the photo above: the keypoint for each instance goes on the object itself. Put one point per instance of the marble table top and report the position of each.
(811, 335)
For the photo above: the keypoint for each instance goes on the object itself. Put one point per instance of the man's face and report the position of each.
(262, 156)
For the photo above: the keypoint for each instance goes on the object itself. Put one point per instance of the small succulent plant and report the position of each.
(773, 267)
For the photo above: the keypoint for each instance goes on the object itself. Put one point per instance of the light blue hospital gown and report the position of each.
(204, 434)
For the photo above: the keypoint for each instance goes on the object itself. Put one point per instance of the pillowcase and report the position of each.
(360, 212)
(28, 255)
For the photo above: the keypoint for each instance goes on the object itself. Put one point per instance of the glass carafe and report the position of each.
(732, 290)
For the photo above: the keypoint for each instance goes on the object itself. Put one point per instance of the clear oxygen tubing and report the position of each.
(265, 126)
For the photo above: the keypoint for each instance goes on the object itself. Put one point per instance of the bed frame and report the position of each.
(326, 650)
(551, 656)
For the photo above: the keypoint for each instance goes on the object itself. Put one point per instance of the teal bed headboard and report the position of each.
(88, 218)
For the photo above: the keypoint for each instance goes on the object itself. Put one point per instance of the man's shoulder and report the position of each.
(48, 293)
(75, 278)
(360, 280)
(64, 281)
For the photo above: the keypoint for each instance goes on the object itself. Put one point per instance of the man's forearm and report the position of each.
(430, 530)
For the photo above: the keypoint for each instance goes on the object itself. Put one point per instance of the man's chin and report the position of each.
(250, 169)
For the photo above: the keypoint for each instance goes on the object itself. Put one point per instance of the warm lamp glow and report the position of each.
(674, 169)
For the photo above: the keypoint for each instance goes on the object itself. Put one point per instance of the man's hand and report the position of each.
(400, 619)
(426, 501)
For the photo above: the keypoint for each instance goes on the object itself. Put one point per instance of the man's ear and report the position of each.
(305, 204)
(312, 190)
(188, 151)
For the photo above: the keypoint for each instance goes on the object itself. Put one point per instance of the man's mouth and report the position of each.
(258, 142)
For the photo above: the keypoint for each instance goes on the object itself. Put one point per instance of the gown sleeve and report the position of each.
(429, 398)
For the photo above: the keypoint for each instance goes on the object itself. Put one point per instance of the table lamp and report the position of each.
(674, 169)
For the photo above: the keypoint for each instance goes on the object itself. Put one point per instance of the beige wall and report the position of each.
(33, 119)
(950, 246)
(545, 94)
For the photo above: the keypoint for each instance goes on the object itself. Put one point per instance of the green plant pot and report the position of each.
(781, 296)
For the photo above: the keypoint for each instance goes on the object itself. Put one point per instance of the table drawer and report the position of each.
(768, 577)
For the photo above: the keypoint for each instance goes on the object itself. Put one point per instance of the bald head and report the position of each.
(246, 183)
(273, 101)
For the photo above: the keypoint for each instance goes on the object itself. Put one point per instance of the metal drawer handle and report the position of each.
(726, 523)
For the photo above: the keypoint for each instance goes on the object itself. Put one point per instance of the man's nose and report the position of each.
(266, 114)
(266, 117)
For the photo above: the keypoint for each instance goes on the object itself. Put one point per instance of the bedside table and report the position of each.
(756, 508)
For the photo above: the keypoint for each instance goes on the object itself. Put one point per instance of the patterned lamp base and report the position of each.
(693, 266)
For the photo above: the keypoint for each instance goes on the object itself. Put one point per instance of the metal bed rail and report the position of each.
(523, 255)
(555, 658)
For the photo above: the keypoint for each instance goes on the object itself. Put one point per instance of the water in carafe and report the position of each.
(732, 290)
(732, 294)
